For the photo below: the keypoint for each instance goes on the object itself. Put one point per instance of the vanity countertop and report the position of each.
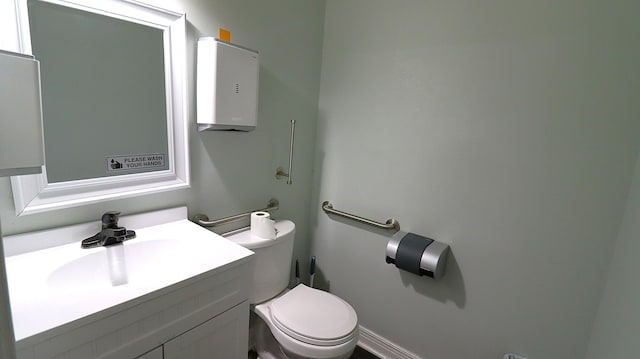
(53, 287)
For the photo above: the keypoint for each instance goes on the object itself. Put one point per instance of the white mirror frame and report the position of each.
(33, 194)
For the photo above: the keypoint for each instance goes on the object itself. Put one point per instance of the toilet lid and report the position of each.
(314, 317)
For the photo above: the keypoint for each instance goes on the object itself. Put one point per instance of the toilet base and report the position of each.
(262, 341)
(265, 344)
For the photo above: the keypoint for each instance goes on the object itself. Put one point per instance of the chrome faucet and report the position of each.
(110, 234)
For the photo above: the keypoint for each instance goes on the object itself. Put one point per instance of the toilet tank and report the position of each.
(271, 262)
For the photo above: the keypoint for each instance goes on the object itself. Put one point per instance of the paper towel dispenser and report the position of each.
(227, 86)
(417, 254)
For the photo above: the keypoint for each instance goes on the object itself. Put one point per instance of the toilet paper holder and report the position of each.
(417, 254)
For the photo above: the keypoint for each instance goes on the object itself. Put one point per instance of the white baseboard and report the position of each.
(381, 347)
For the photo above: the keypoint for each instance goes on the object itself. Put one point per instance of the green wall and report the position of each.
(507, 129)
(617, 324)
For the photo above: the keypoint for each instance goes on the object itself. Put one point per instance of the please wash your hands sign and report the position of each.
(134, 162)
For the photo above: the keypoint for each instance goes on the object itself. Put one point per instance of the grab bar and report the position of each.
(280, 171)
(390, 224)
(203, 219)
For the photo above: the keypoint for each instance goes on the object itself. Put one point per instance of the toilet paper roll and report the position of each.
(262, 225)
(410, 250)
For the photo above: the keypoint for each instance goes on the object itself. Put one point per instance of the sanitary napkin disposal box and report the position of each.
(21, 141)
(227, 86)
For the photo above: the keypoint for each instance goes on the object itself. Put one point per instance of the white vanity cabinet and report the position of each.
(223, 337)
(181, 292)
(208, 318)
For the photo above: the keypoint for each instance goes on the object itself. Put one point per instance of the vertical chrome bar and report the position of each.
(293, 133)
(280, 171)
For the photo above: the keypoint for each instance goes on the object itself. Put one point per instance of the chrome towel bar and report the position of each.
(391, 223)
(203, 219)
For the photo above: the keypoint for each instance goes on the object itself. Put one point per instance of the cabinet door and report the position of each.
(154, 354)
(224, 337)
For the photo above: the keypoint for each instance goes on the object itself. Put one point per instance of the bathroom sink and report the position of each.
(121, 264)
(54, 286)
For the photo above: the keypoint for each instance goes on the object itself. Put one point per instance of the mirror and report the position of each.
(103, 91)
(114, 101)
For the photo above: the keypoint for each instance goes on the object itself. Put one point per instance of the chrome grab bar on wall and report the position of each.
(280, 171)
(391, 223)
(203, 219)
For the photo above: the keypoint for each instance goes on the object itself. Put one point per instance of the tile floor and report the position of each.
(360, 353)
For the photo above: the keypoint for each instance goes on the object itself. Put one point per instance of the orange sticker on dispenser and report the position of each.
(225, 35)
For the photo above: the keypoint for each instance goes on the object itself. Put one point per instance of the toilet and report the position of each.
(297, 323)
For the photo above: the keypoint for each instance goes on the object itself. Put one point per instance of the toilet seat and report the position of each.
(315, 317)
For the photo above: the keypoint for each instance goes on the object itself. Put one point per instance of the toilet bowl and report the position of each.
(309, 323)
(297, 323)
